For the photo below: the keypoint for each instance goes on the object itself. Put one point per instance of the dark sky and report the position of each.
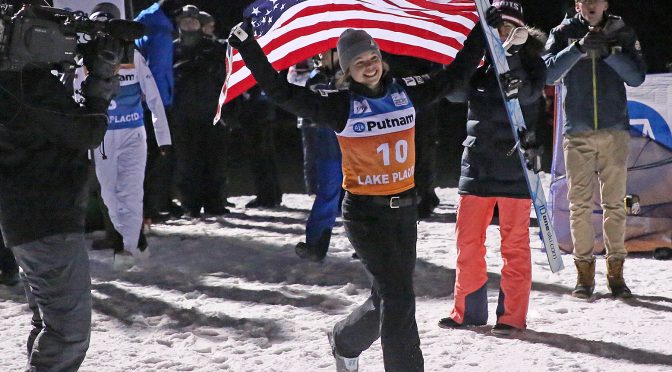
(652, 19)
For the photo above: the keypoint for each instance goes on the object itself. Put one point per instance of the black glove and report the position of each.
(99, 92)
(241, 33)
(532, 150)
(166, 150)
(493, 17)
(622, 40)
(510, 84)
(595, 43)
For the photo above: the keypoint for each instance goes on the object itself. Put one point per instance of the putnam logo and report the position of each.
(359, 127)
(390, 123)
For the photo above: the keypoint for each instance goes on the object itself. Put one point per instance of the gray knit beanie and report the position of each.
(352, 43)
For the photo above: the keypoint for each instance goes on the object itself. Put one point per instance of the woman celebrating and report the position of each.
(374, 120)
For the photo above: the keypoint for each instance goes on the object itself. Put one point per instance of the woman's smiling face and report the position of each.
(367, 69)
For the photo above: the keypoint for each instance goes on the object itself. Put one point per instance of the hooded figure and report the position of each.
(189, 26)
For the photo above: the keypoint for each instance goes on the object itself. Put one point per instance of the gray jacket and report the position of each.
(596, 96)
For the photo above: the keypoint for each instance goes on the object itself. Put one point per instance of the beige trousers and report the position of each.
(604, 152)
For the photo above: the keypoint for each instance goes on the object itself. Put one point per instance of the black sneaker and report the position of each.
(9, 279)
(501, 329)
(174, 209)
(307, 252)
(216, 211)
(259, 203)
(448, 323)
(192, 214)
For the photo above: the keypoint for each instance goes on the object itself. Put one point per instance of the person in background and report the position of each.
(299, 74)
(492, 175)
(200, 146)
(207, 24)
(157, 49)
(595, 54)
(257, 117)
(322, 156)
(380, 217)
(120, 159)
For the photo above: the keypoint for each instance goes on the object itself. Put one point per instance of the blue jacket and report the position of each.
(596, 96)
(157, 48)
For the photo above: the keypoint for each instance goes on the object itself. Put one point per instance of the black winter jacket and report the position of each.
(600, 80)
(489, 166)
(199, 74)
(44, 136)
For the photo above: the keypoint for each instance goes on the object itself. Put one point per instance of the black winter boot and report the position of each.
(315, 252)
(585, 279)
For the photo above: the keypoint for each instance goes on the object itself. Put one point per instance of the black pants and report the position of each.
(200, 150)
(259, 137)
(158, 185)
(384, 238)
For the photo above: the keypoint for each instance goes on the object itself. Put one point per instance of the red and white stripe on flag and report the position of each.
(433, 30)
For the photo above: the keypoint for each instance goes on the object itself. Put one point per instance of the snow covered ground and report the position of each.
(229, 294)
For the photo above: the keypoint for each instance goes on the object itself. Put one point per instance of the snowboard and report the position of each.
(517, 121)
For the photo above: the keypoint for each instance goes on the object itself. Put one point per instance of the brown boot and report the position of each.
(585, 279)
(615, 280)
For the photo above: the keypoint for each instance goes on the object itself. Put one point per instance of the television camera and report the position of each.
(53, 37)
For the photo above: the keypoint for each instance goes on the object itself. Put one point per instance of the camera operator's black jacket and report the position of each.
(44, 136)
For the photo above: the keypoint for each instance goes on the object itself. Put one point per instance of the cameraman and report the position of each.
(44, 137)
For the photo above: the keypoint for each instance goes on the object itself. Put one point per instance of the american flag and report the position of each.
(290, 31)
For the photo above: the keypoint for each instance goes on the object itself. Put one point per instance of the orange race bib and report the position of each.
(378, 144)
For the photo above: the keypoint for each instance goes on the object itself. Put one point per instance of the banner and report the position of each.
(649, 171)
(86, 5)
(650, 108)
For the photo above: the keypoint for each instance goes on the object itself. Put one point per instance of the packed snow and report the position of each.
(229, 294)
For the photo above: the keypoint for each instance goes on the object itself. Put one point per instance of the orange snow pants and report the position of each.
(471, 301)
